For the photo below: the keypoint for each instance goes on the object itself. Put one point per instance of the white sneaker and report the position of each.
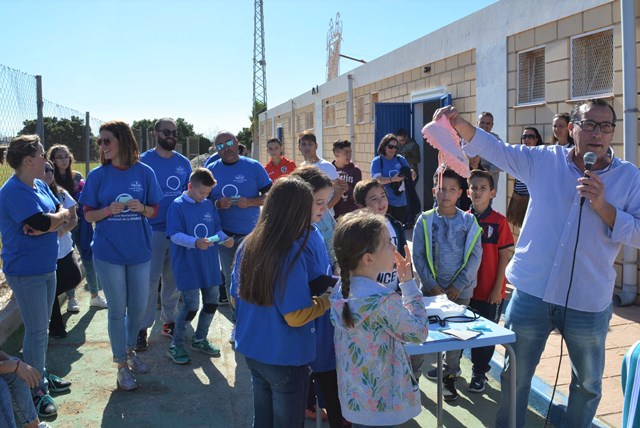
(98, 302)
(73, 305)
(232, 336)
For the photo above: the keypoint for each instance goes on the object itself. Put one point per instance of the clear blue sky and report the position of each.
(135, 59)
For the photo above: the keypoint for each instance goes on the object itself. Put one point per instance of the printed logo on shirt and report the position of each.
(239, 178)
(135, 187)
(124, 198)
(180, 171)
(488, 231)
(207, 217)
(230, 190)
(388, 279)
(172, 183)
(283, 169)
(394, 172)
(201, 230)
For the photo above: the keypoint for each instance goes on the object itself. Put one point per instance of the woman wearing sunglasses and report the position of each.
(119, 196)
(520, 196)
(29, 218)
(390, 169)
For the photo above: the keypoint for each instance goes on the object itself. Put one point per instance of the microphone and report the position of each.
(589, 159)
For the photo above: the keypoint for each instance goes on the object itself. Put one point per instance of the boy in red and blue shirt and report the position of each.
(489, 294)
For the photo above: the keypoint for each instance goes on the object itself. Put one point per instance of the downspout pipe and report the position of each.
(293, 129)
(352, 126)
(629, 290)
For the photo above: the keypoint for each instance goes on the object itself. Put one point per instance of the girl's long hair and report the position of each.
(356, 234)
(66, 181)
(284, 219)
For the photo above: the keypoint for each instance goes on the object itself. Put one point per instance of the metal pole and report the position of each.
(40, 104)
(87, 143)
(352, 126)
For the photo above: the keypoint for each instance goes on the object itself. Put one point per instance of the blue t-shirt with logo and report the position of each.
(24, 255)
(244, 178)
(125, 238)
(173, 177)
(318, 263)
(192, 267)
(383, 167)
(262, 332)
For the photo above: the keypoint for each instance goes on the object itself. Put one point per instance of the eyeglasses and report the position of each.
(48, 171)
(166, 132)
(392, 147)
(104, 142)
(222, 146)
(528, 137)
(62, 157)
(590, 125)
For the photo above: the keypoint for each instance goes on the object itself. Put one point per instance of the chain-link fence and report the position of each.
(20, 99)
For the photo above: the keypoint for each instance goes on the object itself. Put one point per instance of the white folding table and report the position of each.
(439, 342)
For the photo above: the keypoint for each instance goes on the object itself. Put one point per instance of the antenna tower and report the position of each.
(259, 69)
(334, 37)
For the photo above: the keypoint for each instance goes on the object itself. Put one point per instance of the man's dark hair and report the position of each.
(275, 140)
(485, 113)
(401, 132)
(307, 135)
(341, 144)
(577, 111)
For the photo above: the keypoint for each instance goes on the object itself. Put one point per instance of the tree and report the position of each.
(63, 131)
(245, 137)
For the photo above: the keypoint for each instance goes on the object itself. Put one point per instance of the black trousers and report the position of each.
(68, 276)
(328, 383)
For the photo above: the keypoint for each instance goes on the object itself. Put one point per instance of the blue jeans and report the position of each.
(125, 287)
(227, 258)
(279, 394)
(93, 284)
(16, 404)
(585, 334)
(169, 295)
(35, 295)
(191, 303)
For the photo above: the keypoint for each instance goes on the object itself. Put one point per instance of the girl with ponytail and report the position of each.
(376, 385)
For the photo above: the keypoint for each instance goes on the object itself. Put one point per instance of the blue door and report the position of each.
(389, 117)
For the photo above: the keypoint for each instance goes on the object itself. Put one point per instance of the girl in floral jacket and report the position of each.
(375, 381)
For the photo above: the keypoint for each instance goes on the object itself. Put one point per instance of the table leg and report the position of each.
(439, 413)
(512, 384)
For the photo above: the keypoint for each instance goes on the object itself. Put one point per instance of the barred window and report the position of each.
(299, 119)
(531, 76)
(330, 115)
(592, 64)
(359, 110)
(309, 120)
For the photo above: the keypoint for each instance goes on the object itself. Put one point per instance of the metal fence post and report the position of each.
(40, 103)
(87, 143)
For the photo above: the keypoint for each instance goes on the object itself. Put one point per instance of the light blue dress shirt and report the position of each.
(541, 265)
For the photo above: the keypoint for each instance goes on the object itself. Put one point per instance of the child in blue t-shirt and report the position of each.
(193, 225)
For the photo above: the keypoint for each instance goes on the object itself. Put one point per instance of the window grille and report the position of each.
(531, 76)
(359, 110)
(330, 115)
(592, 64)
(309, 120)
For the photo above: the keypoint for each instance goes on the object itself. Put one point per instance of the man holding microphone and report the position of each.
(554, 288)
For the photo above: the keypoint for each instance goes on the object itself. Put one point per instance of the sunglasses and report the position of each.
(48, 170)
(166, 132)
(104, 142)
(528, 137)
(392, 146)
(222, 146)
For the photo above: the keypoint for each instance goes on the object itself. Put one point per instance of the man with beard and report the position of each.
(240, 190)
(172, 171)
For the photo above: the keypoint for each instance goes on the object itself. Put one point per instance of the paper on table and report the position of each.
(461, 334)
